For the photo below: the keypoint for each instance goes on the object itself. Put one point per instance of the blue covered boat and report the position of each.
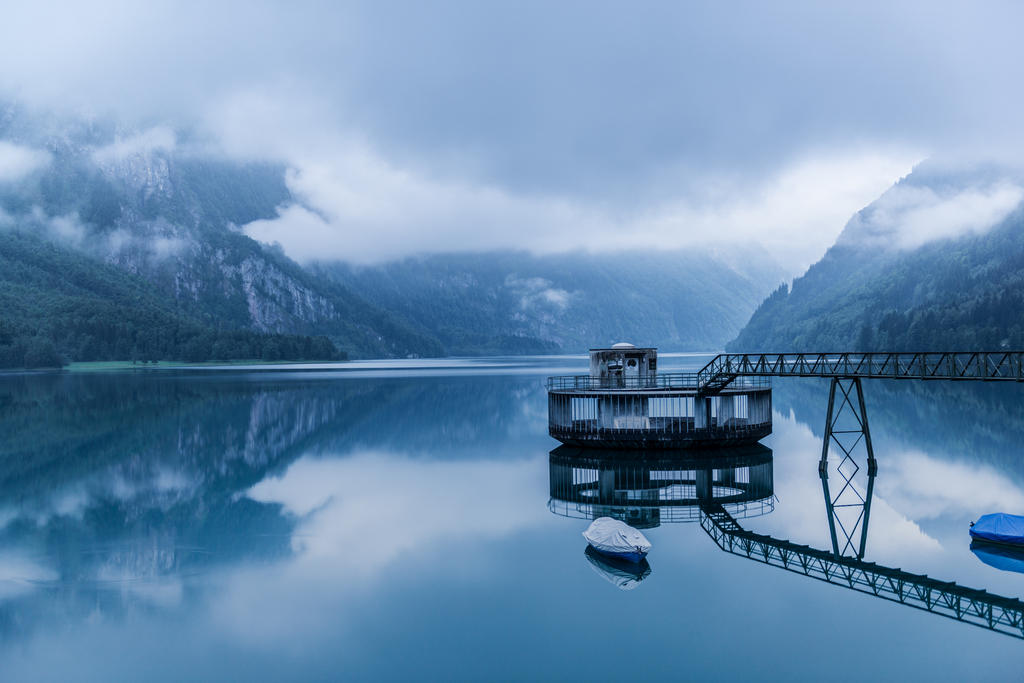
(999, 527)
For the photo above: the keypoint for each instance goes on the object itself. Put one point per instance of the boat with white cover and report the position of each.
(617, 539)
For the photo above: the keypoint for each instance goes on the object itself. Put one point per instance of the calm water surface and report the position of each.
(395, 520)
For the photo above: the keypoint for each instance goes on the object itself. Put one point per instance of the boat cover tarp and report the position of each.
(622, 574)
(612, 536)
(999, 527)
(1000, 556)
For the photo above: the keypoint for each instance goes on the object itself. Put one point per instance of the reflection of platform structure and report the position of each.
(947, 598)
(645, 492)
(625, 403)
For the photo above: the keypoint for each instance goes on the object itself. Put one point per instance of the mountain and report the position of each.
(121, 243)
(157, 209)
(499, 302)
(936, 262)
(60, 304)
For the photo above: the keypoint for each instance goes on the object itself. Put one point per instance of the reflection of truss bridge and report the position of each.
(949, 599)
(846, 428)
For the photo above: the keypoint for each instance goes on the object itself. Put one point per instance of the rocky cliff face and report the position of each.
(155, 204)
(151, 204)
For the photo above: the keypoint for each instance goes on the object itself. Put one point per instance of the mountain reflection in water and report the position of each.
(397, 524)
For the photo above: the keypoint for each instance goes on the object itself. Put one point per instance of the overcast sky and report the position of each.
(439, 126)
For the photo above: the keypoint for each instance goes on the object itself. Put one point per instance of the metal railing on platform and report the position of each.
(664, 514)
(727, 369)
(667, 381)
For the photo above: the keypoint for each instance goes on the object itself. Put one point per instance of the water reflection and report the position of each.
(978, 421)
(720, 487)
(126, 492)
(645, 491)
(945, 598)
(287, 527)
(622, 574)
(1001, 557)
(848, 513)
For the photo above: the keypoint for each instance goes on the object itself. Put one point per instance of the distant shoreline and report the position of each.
(106, 365)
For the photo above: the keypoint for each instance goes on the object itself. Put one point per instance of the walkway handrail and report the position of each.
(675, 380)
(947, 598)
(946, 365)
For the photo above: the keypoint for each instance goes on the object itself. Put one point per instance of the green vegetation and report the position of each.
(959, 294)
(154, 237)
(59, 305)
(515, 302)
(141, 258)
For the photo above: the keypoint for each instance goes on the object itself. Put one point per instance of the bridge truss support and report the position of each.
(846, 427)
(945, 598)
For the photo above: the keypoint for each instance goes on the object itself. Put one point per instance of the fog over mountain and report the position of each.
(471, 127)
(935, 263)
(256, 163)
(122, 243)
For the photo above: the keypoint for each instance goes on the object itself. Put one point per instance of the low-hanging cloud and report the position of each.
(356, 206)
(70, 231)
(143, 143)
(18, 161)
(908, 216)
(67, 229)
(460, 125)
(538, 292)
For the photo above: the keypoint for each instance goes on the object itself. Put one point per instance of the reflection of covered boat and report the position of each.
(1004, 557)
(645, 491)
(999, 528)
(623, 575)
(617, 539)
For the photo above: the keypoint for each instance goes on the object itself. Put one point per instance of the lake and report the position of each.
(394, 520)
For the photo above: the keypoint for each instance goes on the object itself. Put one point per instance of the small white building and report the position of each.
(623, 361)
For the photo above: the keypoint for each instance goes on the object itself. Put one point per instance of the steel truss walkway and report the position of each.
(847, 431)
(969, 605)
(846, 424)
(958, 365)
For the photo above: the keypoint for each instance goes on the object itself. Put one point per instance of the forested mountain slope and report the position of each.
(117, 236)
(936, 263)
(57, 304)
(154, 207)
(502, 301)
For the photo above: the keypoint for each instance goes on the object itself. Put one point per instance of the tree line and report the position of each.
(127, 341)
